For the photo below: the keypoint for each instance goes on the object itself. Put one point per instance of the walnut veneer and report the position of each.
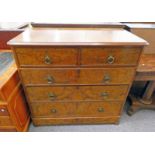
(76, 76)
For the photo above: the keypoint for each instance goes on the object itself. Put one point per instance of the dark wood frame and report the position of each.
(77, 25)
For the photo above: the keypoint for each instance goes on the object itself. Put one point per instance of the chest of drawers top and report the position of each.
(104, 37)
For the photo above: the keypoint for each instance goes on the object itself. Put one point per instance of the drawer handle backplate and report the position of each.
(106, 79)
(2, 110)
(53, 110)
(48, 60)
(110, 59)
(50, 79)
(52, 96)
(100, 109)
(104, 95)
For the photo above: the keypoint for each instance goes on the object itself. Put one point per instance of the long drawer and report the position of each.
(76, 109)
(76, 93)
(68, 56)
(64, 76)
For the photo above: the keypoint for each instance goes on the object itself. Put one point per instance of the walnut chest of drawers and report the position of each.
(76, 76)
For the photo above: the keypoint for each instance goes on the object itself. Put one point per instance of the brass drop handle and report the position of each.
(106, 79)
(104, 95)
(110, 59)
(100, 109)
(53, 110)
(52, 96)
(50, 79)
(2, 110)
(48, 60)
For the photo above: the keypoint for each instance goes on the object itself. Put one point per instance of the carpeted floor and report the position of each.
(142, 121)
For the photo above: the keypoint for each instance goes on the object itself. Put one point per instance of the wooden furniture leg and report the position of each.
(146, 102)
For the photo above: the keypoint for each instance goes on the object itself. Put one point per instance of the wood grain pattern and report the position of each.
(75, 120)
(5, 121)
(7, 129)
(37, 56)
(30, 57)
(146, 68)
(3, 110)
(10, 85)
(95, 61)
(99, 56)
(76, 93)
(5, 77)
(17, 105)
(77, 76)
(147, 63)
(76, 109)
(14, 115)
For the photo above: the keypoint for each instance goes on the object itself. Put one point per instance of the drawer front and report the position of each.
(76, 109)
(77, 76)
(107, 76)
(3, 111)
(48, 76)
(46, 56)
(76, 93)
(109, 56)
(5, 121)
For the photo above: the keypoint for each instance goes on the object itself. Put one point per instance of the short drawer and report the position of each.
(76, 93)
(76, 109)
(5, 121)
(3, 111)
(46, 56)
(110, 56)
(65, 76)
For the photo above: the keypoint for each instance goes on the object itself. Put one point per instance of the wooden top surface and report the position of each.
(137, 26)
(107, 36)
(147, 63)
(79, 25)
